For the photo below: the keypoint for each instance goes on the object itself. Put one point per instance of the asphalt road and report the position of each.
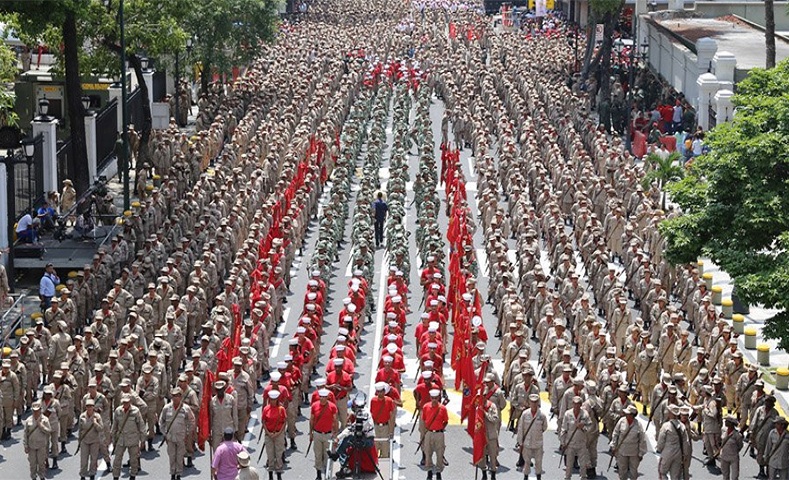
(13, 463)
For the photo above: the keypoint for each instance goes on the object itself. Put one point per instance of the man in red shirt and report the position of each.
(383, 411)
(323, 427)
(436, 419)
(274, 419)
(341, 384)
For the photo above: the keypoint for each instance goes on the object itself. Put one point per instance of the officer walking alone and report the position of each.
(380, 207)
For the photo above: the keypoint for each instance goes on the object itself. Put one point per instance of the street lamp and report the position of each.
(10, 161)
(86, 103)
(144, 63)
(43, 108)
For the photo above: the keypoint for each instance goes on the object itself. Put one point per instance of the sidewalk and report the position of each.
(755, 319)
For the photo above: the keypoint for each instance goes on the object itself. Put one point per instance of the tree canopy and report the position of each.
(736, 198)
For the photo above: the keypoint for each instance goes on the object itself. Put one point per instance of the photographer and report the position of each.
(359, 435)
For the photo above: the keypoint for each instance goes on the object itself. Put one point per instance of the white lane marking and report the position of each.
(280, 334)
(379, 322)
(482, 259)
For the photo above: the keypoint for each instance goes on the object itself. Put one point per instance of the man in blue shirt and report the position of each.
(381, 208)
(46, 288)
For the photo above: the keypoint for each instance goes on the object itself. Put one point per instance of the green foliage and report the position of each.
(736, 198)
(602, 7)
(664, 171)
(229, 31)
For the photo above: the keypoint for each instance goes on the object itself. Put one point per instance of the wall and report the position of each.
(753, 11)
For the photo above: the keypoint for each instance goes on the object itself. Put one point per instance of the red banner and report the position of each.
(204, 422)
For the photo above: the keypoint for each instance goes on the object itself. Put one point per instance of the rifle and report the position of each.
(415, 419)
(564, 447)
(745, 390)
(83, 435)
(530, 424)
(752, 437)
(170, 425)
(654, 409)
(717, 454)
(262, 449)
(619, 444)
(308, 449)
(120, 430)
(419, 446)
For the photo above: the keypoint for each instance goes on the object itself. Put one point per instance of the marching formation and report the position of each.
(522, 282)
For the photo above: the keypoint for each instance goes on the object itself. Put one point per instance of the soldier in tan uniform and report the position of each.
(531, 427)
(224, 413)
(10, 390)
(35, 441)
(128, 432)
(149, 389)
(628, 444)
(176, 422)
(91, 435)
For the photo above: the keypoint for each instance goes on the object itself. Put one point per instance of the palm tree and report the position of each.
(664, 170)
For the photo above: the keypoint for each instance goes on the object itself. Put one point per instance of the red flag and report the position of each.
(453, 33)
(480, 436)
(471, 392)
(204, 422)
(230, 344)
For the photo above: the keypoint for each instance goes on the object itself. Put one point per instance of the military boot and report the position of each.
(279, 475)
(54, 464)
(63, 448)
(270, 475)
(189, 463)
(293, 444)
(150, 444)
(438, 475)
(319, 475)
(430, 475)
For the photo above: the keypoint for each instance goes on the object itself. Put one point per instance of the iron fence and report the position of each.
(106, 134)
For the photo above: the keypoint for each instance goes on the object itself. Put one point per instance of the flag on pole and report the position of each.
(204, 422)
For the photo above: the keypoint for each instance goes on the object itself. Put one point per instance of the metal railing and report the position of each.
(106, 134)
(64, 154)
(13, 318)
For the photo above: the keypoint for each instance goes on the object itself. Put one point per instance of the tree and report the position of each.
(39, 18)
(229, 31)
(664, 171)
(144, 23)
(607, 12)
(736, 199)
(769, 32)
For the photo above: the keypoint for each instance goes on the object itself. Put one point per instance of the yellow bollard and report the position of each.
(738, 324)
(782, 378)
(700, 267)
(717, 295)
(763, 354)
(750, 338)
(707, 277)
(727, 308)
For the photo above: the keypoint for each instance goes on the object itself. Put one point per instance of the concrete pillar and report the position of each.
(148, 77)
(676, 5)
(724, 64)
(724, 107)
(708, 85)
(47, 127)
(705, 52)
(115, 94)
(3, 210)
(90, 140)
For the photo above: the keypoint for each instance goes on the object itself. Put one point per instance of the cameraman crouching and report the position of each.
(359, 435)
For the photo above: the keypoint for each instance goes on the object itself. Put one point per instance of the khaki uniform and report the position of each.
(223, 414)
(128, 431)
(730, 454)
(35, 441)
(531, 428)
(629, 443)
(574, 442)
(150, 393)
(10, 390)
(91, 435)
(245, 395)
(176, 424)
(672, 447)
